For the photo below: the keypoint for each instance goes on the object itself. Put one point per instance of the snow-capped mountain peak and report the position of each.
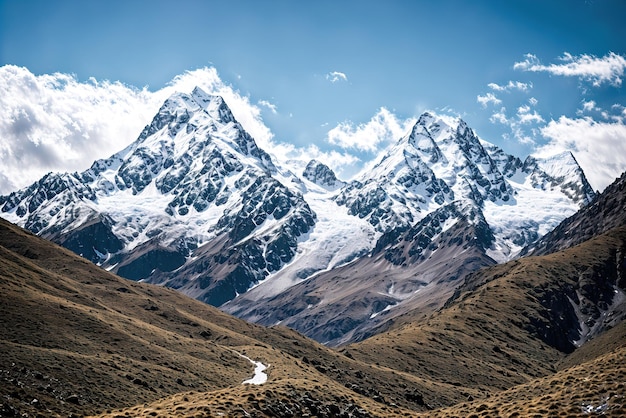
(321, 175)
(193, 203)
(215, 106)
(193, 175)
(563, 172)
(421, 138)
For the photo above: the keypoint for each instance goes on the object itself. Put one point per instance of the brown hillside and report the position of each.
(594, 388)
(494, 335)
(75, 339)
(511, 323)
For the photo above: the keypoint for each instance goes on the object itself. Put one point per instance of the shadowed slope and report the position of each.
(513, 322)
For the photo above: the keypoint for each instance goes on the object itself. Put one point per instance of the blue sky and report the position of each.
(335, 80)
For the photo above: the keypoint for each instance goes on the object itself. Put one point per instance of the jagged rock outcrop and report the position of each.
(194, 204)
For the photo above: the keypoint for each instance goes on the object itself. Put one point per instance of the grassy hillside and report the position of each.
(512, 323)
(593, 388)
(77, 340)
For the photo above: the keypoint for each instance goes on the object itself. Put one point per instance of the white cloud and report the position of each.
(522, 136)
(607, 69)
(511, 85)
(519, 123)
(384, 127)
(599, 147)
(54, 122)
(499, 117)
(270, 106)
(530, 117)
(589, 106)
(619, 114)
(335, 76)
(488, 98)
(57, 123)
(526, 116)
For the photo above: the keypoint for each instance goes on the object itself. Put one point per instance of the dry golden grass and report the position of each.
(75, 339)
(489, 338)
(286, 397)
(594, 388)
(597, 387)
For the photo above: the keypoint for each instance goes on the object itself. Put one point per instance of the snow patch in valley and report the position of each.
(260, 376)
(387, 308)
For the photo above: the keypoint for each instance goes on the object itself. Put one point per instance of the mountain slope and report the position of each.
(441, 203)
(604, 213)
(353, 301)
(194, 204)
(512, 322)
(78, 340)
(593, 388)
(503, 340)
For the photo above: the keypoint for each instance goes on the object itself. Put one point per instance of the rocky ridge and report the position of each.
(195, 204)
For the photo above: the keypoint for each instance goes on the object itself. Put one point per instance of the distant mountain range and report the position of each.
(194, 204)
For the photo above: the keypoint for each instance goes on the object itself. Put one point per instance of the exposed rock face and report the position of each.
(602, 214)
(193, 175)
(414, 270)
(320, 174)
(93, 239)
(196, 205)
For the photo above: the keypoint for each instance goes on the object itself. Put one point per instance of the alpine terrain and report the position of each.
(194, 204)
(536, 336)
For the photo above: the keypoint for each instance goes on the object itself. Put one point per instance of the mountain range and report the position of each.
(194, 204)
(536, 336)
(450, 279)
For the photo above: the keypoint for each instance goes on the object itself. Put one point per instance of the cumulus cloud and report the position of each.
(53, 122)
(526, 115)
(597, 70)
(335, 76)
(589, 106)
(599, 147)
(499, 117)
(488, 98)
(384, 127)
(621, 112)
(511, 85)
(522, 124)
